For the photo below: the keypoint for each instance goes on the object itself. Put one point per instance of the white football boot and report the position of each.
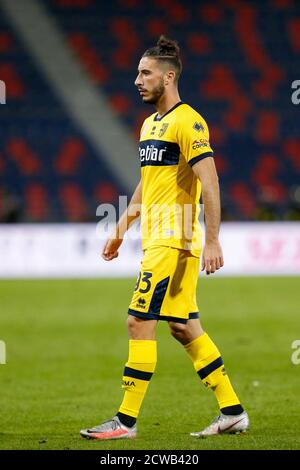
(111, 429)
(225, 424)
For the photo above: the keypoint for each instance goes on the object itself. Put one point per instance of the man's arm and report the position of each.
(110, 250)
(212, 257)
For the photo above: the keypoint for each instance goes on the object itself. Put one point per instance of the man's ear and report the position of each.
(170, 77)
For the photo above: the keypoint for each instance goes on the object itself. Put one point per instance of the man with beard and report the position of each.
(176, 165)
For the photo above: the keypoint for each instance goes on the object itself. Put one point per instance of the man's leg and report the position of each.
(208, 364)
(138, 371)
(139, 368)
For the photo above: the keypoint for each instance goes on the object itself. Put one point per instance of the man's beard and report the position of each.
(157, 93)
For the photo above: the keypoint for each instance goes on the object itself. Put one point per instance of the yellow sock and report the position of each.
(137, 373)
(209, 366)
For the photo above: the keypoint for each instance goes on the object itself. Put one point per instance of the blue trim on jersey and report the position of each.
(205, 371)
(159, 295)
(155, 152)
(200, 157)
(193, 315)
(156, 118)
(137, 374)
(156, 316)
(145, 316)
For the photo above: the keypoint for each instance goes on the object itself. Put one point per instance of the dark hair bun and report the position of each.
(168, 46)
(167, 51)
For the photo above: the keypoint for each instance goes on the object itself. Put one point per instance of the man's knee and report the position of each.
(186, 332)
(141, 329)
(180, 331)
(133, 325)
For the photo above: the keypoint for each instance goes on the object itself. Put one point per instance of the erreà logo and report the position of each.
(128, 383)
(151, 153)
(141, 303)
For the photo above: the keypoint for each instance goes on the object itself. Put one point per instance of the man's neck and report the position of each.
(166, 103)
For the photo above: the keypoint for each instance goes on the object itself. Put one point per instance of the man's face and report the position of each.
(150, 80)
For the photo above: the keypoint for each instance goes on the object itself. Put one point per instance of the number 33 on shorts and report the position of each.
(166, 286)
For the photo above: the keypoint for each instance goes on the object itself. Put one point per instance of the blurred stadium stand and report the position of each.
(239, 62)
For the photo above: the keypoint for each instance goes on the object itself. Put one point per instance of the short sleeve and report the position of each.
(143, 129)
(193, 139)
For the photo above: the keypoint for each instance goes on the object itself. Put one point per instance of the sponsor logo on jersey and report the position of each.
(152, 153)
(200, 143)
(159, 153)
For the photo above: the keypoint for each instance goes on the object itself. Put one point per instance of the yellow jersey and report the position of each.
(169, 146)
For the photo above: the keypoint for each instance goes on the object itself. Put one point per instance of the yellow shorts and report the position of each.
(166, 286)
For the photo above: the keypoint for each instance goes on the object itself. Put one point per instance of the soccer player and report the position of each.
(176, 164)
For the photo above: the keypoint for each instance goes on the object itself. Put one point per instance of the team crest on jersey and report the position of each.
(198, 127)
(163, 129)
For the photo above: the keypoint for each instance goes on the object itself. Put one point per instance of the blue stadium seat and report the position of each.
(238, 59)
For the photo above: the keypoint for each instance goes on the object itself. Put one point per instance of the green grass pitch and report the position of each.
(67, 344)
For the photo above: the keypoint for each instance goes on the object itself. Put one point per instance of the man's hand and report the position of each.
(110, 250)
(212, 257)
